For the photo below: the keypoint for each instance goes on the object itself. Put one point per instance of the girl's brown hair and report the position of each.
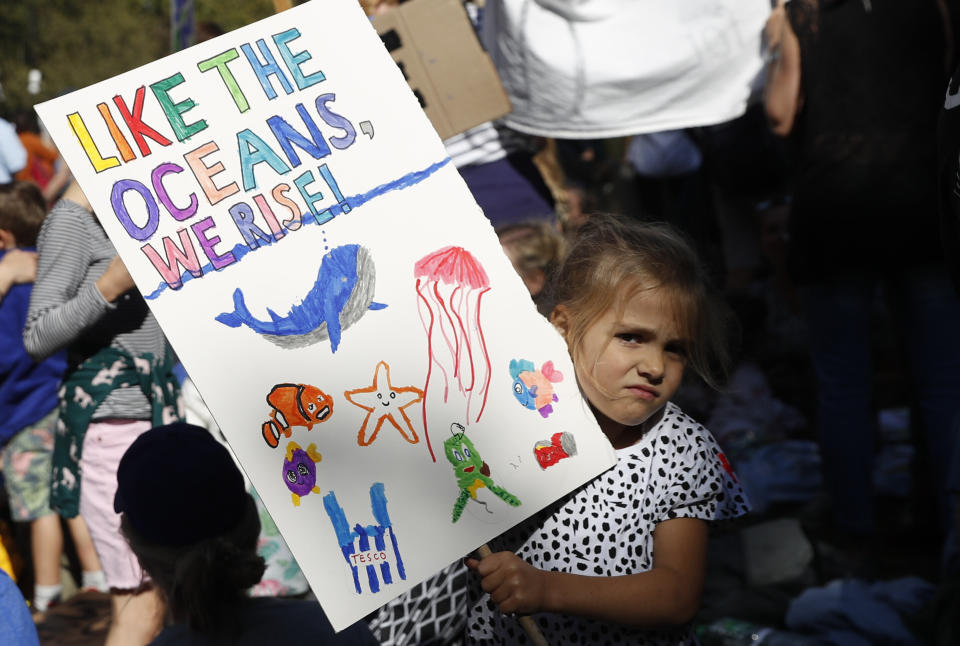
(613, 258)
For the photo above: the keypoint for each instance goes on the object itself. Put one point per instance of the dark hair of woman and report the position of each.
(203, 584)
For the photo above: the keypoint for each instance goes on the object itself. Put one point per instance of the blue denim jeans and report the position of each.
(839, 316)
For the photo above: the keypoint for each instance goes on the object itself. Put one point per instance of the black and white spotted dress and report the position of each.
(605, 528)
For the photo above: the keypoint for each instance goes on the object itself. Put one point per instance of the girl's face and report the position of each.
(630, 362)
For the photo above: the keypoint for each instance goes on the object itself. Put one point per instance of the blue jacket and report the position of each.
(28, 390)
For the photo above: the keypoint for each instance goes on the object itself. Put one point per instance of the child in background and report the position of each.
(28, 404)
(622, 559)
(535, 249)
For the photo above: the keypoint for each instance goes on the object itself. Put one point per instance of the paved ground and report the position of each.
(80, 621)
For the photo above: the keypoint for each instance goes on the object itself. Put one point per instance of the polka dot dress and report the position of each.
(605, 528)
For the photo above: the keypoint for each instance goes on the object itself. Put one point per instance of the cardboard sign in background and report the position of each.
(336, 295)
(435, 46)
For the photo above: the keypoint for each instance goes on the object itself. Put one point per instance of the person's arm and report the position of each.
(45, 152)
(17, 267)
(783, 95)
(61, 177)
(668, 594)
(61, 307)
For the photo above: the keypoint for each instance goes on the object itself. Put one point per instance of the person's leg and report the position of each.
(838, 314)
(136, 620)
(93, 577)
(26, 469)
(103, 446)
(930, 311)
(46, 543)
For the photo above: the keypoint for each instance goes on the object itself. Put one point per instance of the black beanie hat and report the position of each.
(177, 486)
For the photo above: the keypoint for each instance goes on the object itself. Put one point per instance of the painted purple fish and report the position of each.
(300, 471)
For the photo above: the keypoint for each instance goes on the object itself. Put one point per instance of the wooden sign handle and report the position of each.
(526, 621)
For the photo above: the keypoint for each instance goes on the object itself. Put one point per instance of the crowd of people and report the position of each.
(832, 202)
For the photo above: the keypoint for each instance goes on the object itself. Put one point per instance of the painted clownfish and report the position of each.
(295, 405)
(534, 388)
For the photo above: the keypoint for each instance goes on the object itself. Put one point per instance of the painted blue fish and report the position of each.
(342, 294)
(534, 388)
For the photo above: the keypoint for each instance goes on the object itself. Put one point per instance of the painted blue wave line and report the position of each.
(240, 250)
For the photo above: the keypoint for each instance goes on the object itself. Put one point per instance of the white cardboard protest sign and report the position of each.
(336, 295)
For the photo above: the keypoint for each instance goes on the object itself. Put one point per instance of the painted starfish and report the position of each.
(383, 400)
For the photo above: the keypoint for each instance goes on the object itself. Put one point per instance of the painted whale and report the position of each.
(342, 294)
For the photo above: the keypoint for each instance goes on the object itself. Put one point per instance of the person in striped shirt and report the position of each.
(85, 301)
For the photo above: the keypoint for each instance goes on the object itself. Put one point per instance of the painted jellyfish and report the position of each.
(450, 285)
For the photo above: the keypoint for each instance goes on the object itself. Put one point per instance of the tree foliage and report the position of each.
(232, 15)
(75, 43)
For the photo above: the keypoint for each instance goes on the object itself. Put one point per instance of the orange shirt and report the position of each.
(40, 159)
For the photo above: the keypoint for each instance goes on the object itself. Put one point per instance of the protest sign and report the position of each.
(336, 295)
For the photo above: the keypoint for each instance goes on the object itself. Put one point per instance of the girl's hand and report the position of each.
(17, 267)
(115, 280)
(514, 585)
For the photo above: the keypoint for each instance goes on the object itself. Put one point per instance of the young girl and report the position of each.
(622, 559)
